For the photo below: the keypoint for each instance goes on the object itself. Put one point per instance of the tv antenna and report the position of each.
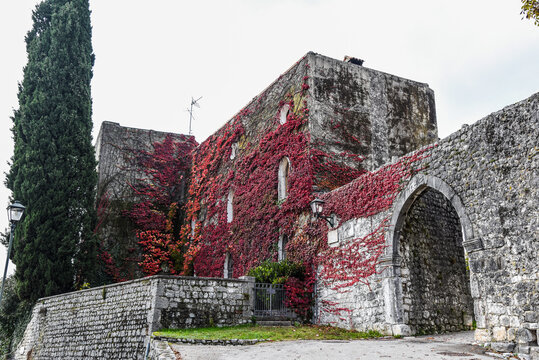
(190, 111)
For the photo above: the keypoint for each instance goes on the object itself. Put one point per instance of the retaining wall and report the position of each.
(116, 321)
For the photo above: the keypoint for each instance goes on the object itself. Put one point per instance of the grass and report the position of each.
(303, 332)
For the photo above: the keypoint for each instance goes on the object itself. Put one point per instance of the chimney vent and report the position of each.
(353, 60)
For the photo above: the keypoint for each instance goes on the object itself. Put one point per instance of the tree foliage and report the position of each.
(530, 10)
(53, 166)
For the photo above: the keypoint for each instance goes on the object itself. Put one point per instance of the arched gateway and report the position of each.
(427, 280)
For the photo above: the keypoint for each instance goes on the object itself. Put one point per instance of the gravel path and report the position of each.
(436, 347)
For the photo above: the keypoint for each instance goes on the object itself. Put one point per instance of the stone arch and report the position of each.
(283, 174)
(419, 187)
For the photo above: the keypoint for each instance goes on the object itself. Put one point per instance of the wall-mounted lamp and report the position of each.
(317, 207)
(14, 214)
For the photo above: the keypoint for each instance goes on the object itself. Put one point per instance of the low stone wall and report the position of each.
(184, 302)
(116, 321)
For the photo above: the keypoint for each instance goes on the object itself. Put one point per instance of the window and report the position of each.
(284, 171)
(283, 240)
(283, 114)
(230, 207)
(228, 271)
(233, 151)
(193, 226)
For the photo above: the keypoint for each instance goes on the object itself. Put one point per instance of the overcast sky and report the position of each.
(477, 55)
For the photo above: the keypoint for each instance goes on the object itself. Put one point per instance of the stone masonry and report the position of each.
(116, 321)
(482, 236)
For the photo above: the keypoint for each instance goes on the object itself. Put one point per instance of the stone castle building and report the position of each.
(439, 235)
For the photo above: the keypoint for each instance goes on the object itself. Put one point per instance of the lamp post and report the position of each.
(317, 207)
(14, 214)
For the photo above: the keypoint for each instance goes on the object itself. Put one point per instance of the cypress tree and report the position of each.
(53, 167)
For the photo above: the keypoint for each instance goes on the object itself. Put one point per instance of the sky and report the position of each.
(478, 56)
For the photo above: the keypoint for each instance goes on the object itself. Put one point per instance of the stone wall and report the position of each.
(331, 120)
(115, 321)
(435, 283)
(363, 111)
(117, 148)
(185, 302)
(109, 322)
(488, 172)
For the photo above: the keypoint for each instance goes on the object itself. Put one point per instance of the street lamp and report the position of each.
(14, 214)
(317, 207)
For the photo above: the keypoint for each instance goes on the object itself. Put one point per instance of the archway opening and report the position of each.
(434, 277)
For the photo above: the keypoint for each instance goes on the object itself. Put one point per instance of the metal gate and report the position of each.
(269, 301)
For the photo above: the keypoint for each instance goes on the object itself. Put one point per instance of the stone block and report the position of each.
(496, 309)
(483, 335)
(511, 334)
(503, 346)
(401, 330)
(499, 333)
(531, 316)
(534, 352)
(525, 336)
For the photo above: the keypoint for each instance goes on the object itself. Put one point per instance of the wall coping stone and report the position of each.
(143, 280)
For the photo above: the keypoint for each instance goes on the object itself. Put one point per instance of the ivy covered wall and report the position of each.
(333, 121)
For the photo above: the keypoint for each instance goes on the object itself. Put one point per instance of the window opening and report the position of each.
(283, 115)
(228, 271)
(230, 207)
(283, 240)
(284, 172)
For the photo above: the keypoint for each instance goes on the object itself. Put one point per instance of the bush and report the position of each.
(277, 272)
(14, 316)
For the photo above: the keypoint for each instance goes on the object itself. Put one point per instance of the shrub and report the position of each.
(277, 272)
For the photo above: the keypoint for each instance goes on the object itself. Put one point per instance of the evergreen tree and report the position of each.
(53, 166)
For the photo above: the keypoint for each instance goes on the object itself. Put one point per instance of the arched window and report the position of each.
(228, 268)
(283, 240)
(283, 114)
(230, 207)
(284, 171)
(233, 151)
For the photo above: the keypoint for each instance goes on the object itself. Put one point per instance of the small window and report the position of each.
(228, 271)
(193, 226)
(283, 114)
(283, 240)
(284, 171)
(233, 151)
(230, 207)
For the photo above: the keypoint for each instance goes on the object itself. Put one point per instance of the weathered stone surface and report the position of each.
(488, 172)
(503, 346)
(116, 147)
(116, 321)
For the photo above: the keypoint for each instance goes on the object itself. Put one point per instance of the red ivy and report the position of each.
(157, 215)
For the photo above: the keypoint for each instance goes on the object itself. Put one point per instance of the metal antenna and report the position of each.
(190, 111)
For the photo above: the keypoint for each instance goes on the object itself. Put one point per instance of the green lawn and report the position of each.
(303, 332)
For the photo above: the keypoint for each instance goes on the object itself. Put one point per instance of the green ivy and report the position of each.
(277, 272)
